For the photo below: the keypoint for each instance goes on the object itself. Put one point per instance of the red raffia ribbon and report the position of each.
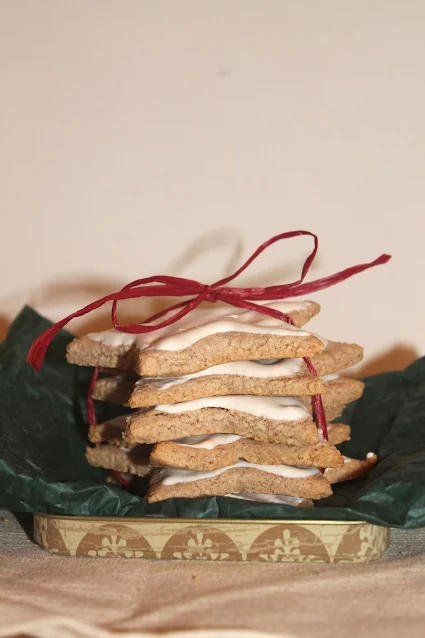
(91, 412)
(168, 286)
(118, 477)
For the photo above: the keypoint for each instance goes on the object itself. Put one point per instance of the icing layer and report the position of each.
(202, 322)
(276, 408)
(283, 368)
(330, 377)
(207, 441)
(170, 476)
(268, 498)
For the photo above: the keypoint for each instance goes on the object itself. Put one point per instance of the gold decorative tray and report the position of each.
(211, 539)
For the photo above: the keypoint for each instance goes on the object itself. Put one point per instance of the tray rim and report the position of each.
(238, 521)
(159, 532)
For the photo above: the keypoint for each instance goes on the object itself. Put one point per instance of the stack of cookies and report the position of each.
(222, 404)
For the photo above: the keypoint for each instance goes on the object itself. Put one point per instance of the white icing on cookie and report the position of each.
(202, 322)
(187, 338)
(276, 408)
(283, 368)
(330, 377)
(207, 441)
(113, 338)
(268, 498)
(169, 476)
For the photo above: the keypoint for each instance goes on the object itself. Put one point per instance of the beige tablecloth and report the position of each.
(55, 597)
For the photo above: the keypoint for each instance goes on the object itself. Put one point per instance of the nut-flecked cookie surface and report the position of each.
(151, 392)
(337, 356)
(224, 347)
(186, 457)
(110, 431)
(352, 469)
(115, 389)
(152, 426)
(111, 457)
(339, 393)
(338, 433)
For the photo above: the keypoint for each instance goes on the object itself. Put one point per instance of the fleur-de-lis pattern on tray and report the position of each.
(212, 540)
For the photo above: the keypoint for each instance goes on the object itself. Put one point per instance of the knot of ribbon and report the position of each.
(196, 293)
(209, 294)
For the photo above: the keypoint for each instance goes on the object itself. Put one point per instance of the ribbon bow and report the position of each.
(181, 287)
(168, 286)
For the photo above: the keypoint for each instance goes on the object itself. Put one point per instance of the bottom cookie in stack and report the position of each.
(293, 485)
(242, 477)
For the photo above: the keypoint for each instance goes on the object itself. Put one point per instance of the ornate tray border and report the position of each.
(211, 539)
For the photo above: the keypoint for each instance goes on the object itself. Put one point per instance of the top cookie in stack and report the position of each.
(230, 400)
(204, 338)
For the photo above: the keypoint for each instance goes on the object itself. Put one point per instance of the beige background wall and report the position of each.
(137, 135)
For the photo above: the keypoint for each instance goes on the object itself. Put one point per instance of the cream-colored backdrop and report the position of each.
(142, 137)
